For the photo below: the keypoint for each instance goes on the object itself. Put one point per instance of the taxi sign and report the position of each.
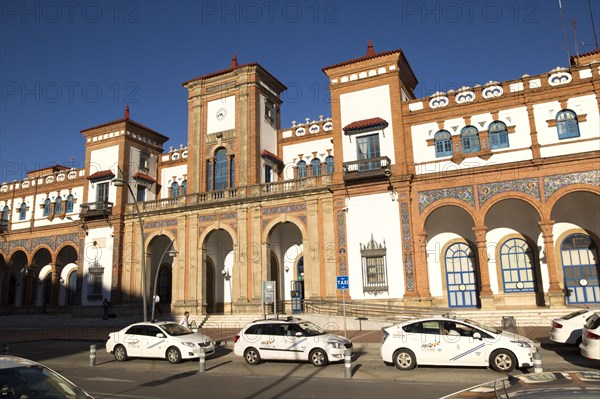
(342, 282)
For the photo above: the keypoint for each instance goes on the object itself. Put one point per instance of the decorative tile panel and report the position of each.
(160, 223)
(408, 264)
(206, 218)
(528, 186)
(463, 193)
(61, 239)
(37, 241)
(218, 216)
(284, 209)
(342, 242)
(19, 243)
(554, 183)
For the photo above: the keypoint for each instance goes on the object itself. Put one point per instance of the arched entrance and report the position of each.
(217, 253)
(160, 274)
(18, 264)
(581, 269)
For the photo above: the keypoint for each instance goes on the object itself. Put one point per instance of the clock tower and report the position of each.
(233, 115)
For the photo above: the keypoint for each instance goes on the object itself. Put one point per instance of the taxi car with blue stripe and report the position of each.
(289, 339)
(455, 342)
(167, 340)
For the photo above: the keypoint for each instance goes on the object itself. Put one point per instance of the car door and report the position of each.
(459, 347)
(424, 339)
(133, 339)
(267, 344)
(294, 341)
(154, 346)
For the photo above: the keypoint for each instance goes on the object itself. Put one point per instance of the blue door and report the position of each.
(461, 281)
(581, 269)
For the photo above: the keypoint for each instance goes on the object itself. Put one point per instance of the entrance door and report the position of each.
(581, 269)
(461, 281)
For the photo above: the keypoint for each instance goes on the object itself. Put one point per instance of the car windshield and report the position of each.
(484, 327)
(310, 329)
(37, 382)
(175, 329)
(574, 314)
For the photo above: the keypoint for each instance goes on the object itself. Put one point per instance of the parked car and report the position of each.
(23, 378)
(590, 343)
(289, 339)
(454, 342)
(567, 329)
(555, 384)
(168, 340)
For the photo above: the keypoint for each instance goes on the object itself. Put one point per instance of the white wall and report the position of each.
(291, 152)
(365, 104)
(169, 174)
(102, 252)
(213, 124)
(378, 215)
(103, 159)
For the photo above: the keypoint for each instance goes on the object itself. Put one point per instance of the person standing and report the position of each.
(156, 304)
(185, 320)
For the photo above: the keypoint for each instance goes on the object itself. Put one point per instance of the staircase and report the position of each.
(234, 321)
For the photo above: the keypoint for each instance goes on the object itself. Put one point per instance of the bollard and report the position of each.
(92, 355)
(348, 363)
(202, 359)
(5, 349)
(537, 363)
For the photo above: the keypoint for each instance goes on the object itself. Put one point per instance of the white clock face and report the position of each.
(221, 114)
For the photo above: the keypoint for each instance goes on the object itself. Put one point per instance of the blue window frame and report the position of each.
(141, 193)
(208, 175)
(69, 203)
(581, 269)
(567, 124)
(302, 169)
(46, 211)
(58, 205)
(315, 167)
(498, 134)
(443, 143)
(231, 172)
(461, 281)
(23, 211)
(329, 165)
(221, 169)
(367, 147)
(184, 188)
(469, 138)
(5, 212)
(517, 264)
(174, 190)
(268, 171)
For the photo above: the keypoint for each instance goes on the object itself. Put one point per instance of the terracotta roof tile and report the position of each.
(103, 174)
(364, 125)
(363, 58)
(271, 156)
(116, 122)
(144, 177)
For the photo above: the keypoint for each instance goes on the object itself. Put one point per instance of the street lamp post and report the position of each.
(120, 182)
(172, 253)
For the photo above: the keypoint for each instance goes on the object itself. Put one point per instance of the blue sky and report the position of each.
(67, 66)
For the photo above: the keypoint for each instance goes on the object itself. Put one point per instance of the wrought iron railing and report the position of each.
(367, 168)
(95, 210)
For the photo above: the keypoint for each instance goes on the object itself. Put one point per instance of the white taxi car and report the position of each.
(567, 329)
(289, 339)
(590, 344)
(454, 342)
(168, 340)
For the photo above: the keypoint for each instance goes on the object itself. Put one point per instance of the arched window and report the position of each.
(469, 137)
(516, 261)
(221, 169)
(58, 205)
(581, 269)
(174, 190)
(23, 211)
(302, 169)
(46, 211)
(184, 188)
(498, 135)
(461, 280)
(329, 168)
(70, 203)
(5, 212)
(443, 143)
(567, 124)
(315, 167)
(231, 171)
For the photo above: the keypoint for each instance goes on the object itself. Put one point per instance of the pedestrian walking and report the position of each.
(105, 305)
(156, 304)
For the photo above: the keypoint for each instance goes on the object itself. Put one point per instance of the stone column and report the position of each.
(486, 296)
(556, 296)
(55, 285)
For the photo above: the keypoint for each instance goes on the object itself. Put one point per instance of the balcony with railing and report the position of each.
(367, 168)
(95, 210)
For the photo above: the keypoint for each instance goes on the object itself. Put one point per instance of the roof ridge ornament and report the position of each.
(126, 113)
(370, 49)
(234, 62)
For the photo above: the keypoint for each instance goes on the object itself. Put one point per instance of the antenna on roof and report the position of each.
(593, 26)
(562, 22)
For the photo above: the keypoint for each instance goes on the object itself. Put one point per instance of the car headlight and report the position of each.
(522, 344)
(190, 344)
(336, 345)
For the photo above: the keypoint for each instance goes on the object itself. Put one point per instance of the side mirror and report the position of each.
(160, 335)
(299, 334)
(476, 335)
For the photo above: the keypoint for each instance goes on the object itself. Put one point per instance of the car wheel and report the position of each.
(503, 361)
(120, 353)
(404, 359)
(252, 356)
(318, 358)
(173, 355)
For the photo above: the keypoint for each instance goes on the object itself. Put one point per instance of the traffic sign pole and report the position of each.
(344, 310)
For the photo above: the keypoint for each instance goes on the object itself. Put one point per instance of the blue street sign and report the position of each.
(342, 282)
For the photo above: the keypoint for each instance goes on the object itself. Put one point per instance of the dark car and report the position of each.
(549, 385)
